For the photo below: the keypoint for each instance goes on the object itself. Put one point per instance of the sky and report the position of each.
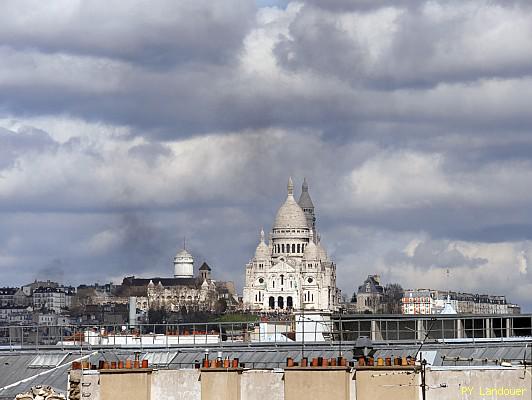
(127, 126)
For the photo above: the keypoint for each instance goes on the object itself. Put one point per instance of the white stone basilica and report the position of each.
(291, 271)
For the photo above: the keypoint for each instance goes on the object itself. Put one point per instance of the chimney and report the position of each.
(132, 312)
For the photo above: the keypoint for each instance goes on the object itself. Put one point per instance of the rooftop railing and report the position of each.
(337, 330)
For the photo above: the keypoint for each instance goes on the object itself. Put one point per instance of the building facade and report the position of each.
(52, 299)
(291, 271)
(7, 296)
(430, 301)
(56, 299)
(183, 291)
(370, 296)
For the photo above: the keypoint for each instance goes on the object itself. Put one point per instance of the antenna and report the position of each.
(448, 273)
(184, 242)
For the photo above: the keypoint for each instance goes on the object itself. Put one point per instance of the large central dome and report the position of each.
(290, 215)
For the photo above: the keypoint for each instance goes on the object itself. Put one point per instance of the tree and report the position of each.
(393, 293)
(354, 297)
(157, 315)
(221, 306)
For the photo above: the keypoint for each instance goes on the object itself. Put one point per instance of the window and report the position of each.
(261, 280)
(280, 302)
(299, 248)
(160, 359)
(47, 360)
(282, 248)
(282, 279)
(310, 280)
(293, 248)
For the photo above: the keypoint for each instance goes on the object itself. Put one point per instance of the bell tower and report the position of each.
(305, 202)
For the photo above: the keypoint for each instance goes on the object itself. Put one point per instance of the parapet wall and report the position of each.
(307, 383)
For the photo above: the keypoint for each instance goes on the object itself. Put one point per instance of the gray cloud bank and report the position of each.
(126, 126)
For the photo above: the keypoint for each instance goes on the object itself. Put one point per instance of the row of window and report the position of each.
(282, 282)
(416, 300)
(280, 303)
(176, 298)
(294, 248)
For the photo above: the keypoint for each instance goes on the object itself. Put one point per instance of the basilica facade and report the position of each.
(291, 271)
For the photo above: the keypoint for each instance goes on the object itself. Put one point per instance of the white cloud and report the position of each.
(399, 180)
(500, 273)
(409, 119)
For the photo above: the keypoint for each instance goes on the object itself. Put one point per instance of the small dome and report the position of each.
(183, 265)
(290, 215)
(322, 252)
(263, 251)
(311, 252)
(183, 254)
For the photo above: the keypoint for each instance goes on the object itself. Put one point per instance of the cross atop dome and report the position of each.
(290, 215)
(290, 187)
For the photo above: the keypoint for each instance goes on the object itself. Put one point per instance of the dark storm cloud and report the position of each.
(141, 245)
(156, 34)
(445, 222)
(342, 89)
(182, 102)
(372, 5)
(428, 45)
(53, 270)
(409, 119)
(362, 5)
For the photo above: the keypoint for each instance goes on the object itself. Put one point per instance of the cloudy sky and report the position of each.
(125, 126)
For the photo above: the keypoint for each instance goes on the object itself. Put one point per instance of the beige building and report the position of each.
(194, 293)
(430, 301)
